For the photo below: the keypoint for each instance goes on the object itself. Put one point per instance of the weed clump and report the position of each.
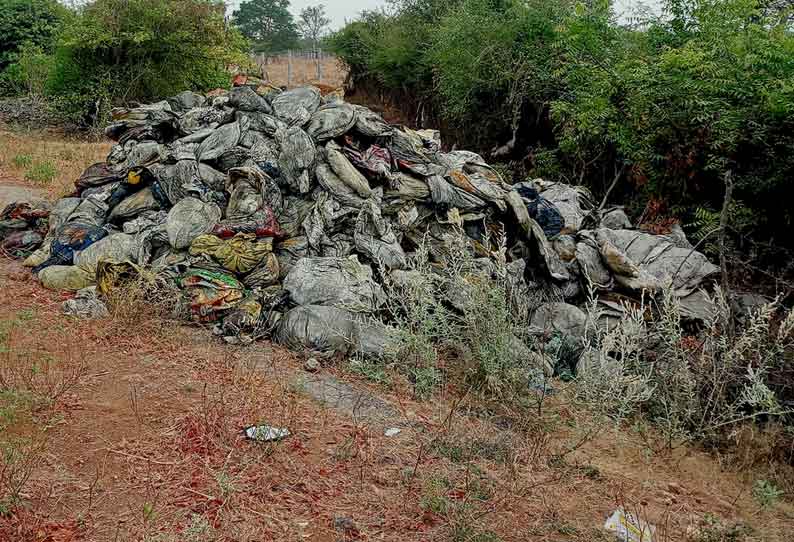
(459, 309)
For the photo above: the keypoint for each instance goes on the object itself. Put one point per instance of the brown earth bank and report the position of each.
(131, 428)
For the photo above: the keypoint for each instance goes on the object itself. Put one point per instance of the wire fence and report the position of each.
(297, 67)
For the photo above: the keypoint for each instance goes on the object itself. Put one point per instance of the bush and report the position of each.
(33, 22)
(691, 387)
(666, 105)
(30, 73)
(118, 51)
(461, 307)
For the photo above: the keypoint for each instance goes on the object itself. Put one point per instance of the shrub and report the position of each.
(691, 387)
(31, 24)
(116, 51)
(463, 307)
(766, 493)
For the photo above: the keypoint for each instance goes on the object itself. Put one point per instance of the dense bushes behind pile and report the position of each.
(668, 104)
(111, 52)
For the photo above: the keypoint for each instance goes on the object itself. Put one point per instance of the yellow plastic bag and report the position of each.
(240, 254)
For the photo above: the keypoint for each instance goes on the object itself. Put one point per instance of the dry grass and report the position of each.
(148, 446)
(304, 71)
(46, 161)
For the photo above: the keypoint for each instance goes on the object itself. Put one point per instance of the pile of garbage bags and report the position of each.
(277, 213)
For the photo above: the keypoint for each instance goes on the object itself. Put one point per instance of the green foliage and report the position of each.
(268, 24)
(122, 50)
(30, 73)
(41, 172)
(33, 22)
(22, 160)
(766, 493)
(667, 103)
(28, 30)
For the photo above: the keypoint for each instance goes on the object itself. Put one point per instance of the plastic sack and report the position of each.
(340, 190)
(116, 247)
(96, 175)
(251, 191)
(265, 274)
(374, 237)
(68, 240)
(85, 304)
(21, 244)
(628, 528)
(240, 254)
(316, 328)
(263, 223)
(201, 118)
(188, 219)
(289, 252)
(65, 277)
(261, 122)
(185, 101)
(370, 124)
(222, 139)
(211, 293)
(94, 207)
(346, 172)
(642, 261)
(331, 330)
(245, 98)
(444, 193)
(331, 121)
(296, 158)
(375, 162)
(134, 205)
(296, 106)
(339, 282)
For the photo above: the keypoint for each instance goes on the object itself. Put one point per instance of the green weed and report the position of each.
(22, 160)
(41, 172)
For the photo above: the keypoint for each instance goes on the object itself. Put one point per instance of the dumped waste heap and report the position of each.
(278, 213)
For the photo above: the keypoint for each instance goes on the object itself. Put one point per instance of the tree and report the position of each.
(313, 24)
(268, 24)
(117, 51)
(33, 22)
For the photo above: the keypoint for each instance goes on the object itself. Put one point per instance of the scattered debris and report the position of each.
(265, 433)
(627, 528)
(311, 365)
(86, 304)
(392, 431)
(345, 525)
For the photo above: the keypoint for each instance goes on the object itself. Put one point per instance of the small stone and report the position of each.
(392, 431)
(311, 365)
(344, 524)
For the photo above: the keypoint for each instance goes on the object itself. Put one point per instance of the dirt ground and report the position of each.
(130, 428)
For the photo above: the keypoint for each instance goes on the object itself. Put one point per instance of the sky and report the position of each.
(338, 10)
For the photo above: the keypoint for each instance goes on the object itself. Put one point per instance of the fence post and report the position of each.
(289, 68)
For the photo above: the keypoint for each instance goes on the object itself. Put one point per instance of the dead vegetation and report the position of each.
(46, 161)
(159, 415)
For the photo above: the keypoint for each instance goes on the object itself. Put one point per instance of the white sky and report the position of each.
(337, 10)
(340, 10)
